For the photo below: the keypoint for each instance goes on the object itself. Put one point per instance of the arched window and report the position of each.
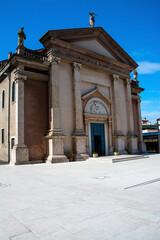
(13, 91)
(3, 98)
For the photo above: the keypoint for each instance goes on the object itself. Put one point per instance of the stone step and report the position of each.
(115, 160)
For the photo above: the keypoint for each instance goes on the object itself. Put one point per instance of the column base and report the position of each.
(110, 150)
(56, 149)
(119, 144)
(19, 155)
(79, 147)
(132, 144)
(142, 147)
(57, 159)
(80, 157)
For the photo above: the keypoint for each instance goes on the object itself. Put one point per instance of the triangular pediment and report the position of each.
(95, 40)
(96, 93)
(94, 46)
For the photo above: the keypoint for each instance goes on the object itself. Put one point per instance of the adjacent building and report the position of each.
(75, 94)
(150, 136)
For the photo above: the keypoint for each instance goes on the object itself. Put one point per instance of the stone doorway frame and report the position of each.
(105, 136)
(97, 109)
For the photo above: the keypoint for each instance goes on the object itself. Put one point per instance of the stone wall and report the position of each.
(4, 121)
(123, 110)
(35, 118)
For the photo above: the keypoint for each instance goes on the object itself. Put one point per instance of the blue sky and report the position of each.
(134, 24)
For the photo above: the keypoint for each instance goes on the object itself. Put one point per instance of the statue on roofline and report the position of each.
(92, 19)
(135, 75)
(21, 37)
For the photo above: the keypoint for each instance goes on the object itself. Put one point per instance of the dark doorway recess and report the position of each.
(98, 138)
(97, 144)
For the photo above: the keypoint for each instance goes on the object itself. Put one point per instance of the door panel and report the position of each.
(98, 138)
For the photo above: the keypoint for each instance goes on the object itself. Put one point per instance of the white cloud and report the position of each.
(151, 116)
(154, 91)
(146, 102)
(148, 67)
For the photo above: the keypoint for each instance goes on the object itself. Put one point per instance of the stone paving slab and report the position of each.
(87, 200)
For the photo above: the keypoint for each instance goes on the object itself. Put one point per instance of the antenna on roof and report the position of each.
(92, 19)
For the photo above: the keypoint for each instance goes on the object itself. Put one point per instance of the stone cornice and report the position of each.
(19, 60)
(135, 97)
(96, 117)
(21, 74)
(69, 57)
(19, 77)
(66, 47)
(136, 89)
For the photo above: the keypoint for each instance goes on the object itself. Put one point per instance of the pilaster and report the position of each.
(54, 108)
(79, 137)
(141, 144)
(110, 144)
(55, 137)
(119, 143)
(19, 153)
(78, 114)
(132, 137)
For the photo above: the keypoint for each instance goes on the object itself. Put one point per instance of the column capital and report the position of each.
(128, 81)
(77, 66)
(115, 77)
(53, 59)
(109, 121)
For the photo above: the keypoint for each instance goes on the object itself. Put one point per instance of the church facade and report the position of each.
(74, 94)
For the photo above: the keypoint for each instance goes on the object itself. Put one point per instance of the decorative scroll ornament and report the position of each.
(97, 108)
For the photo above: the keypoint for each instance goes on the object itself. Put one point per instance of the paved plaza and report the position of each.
(90, 200)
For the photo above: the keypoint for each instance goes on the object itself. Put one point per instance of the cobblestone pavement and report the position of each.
(91, 200)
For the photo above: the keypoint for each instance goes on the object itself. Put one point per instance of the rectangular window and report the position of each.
(12, 142)
(3, 99)
(13, 92)
(2, 135)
